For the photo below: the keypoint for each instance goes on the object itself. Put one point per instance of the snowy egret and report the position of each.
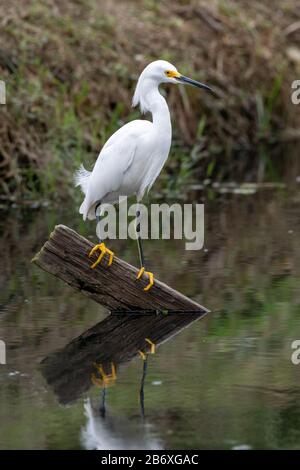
(133, 156)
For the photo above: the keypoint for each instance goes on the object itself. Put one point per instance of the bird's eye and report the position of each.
(168, 73)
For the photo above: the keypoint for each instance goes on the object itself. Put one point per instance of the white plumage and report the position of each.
(133, 157)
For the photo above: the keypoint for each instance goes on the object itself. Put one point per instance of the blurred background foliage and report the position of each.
(70, 69)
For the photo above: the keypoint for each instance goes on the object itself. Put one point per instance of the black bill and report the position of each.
(189, 81)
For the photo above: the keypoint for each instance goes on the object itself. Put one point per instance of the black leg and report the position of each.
(103, 404)
(142, 395)
(142, 271)
(139, 240)
(98, 218)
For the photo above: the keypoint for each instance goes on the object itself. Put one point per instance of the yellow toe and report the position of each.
(151, 281)
(99, 246)
(98, 260)
(152, 345)
(111, 256)
(105, 380)
(150, 350)
(103, 251)
(142, 354)
(140, 273)
(150, 276)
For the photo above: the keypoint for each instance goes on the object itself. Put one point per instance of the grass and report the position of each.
(266, 104)
(71, 67)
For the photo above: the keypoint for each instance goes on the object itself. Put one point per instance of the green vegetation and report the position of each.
(70, 69)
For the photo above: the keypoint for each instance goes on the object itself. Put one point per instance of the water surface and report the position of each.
(226, 381)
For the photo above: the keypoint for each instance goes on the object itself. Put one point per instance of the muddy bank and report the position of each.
(71, 67)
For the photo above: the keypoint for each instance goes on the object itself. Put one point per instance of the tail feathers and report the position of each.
(81, 178)
(87, 209)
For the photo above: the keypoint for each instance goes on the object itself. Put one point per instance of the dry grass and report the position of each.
(70, 69)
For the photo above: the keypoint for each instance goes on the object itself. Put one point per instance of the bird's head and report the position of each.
(161, 71)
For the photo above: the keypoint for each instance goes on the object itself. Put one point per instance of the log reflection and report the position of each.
(96, 354)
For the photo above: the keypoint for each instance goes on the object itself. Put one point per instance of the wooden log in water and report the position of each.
(65, 255)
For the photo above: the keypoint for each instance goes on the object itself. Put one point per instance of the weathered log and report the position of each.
(117, 339)
(65, 255)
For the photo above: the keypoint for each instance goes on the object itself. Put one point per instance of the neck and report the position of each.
(149, 98)
(159, 110)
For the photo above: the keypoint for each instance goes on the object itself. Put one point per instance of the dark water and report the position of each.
(226, 381)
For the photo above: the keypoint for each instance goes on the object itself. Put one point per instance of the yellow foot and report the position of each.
(105, 380)
(150, 351)
(152, 345)
(150, 275)
(103, 251)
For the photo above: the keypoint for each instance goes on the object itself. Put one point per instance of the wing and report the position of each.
(133, 129)
(113, 162)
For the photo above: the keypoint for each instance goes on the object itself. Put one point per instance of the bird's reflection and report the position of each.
(102, 408)
(94, 359)
(105, 380)
(106, 430)
(142, 394)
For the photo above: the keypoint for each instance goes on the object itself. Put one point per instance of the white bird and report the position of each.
(134, 155)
